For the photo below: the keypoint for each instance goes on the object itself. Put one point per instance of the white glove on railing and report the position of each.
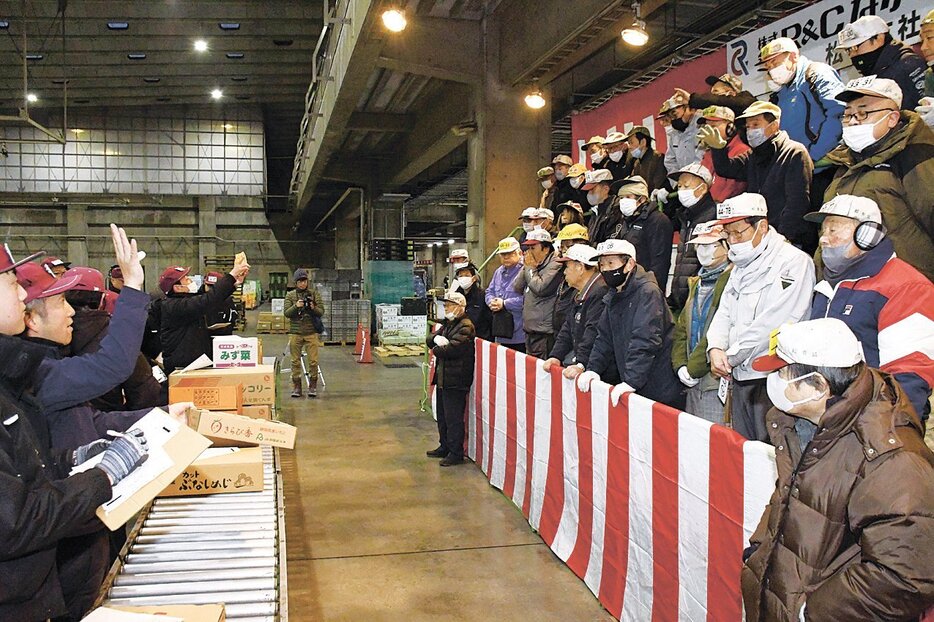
(584, 380)
(617, 392)
(926, 110)
(441, 340)
(686, 378)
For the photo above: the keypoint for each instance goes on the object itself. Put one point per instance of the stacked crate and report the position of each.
(342, 319)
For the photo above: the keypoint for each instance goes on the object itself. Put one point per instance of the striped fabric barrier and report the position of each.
(651, 507)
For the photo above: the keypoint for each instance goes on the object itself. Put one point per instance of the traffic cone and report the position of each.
(359, 343)
(366, 352)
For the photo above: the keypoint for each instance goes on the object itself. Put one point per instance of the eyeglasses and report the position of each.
(736, 235)
(862, 115)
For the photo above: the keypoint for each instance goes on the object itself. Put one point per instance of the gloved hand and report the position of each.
(124, 454)
(584, 380)
(926, 110)
(709, 137)
(549, 362)
(686, 378)
(617, 392)
(441, 340)
(659, 194)
(83, 453)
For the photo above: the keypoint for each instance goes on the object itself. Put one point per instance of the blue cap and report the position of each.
(300, 274)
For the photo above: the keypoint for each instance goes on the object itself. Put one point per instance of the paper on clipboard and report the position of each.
(201, 362)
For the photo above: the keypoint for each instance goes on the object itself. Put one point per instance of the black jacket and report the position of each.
(40, 505)
(579, 330)
(780, 170)
(477, 311)
(686, 263)
(602, 224)
(621, 169)
(563, 193)
(737, 103)
(454, 363)
(635, 337)
(182, 330)
(563, 305)
(651, 232)
(900, 63)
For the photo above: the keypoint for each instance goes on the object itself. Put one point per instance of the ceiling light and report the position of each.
(235, 55)
(81, 101)
(151, 80)
(227, 126)
(238, 78)
(117, 25)
(136, 56)
(243, 97)
(229, 26)
(32, 98)
(535, 99)
(201, 45)
(163, 99)
(60, 81)
(4, 24)
(450, 241)
(217, 94)
(636, 35)
(394, 19)
(34, 57)
(77, 131)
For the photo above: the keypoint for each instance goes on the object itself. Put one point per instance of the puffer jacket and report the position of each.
(579, 330)
(454, 362)
(540, 288)
(686, 262)
(897, 173)
(849, 530)
(301, 320)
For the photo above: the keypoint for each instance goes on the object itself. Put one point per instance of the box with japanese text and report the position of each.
(258, 383)
(234, 351)
(220, 470)
(207, 392)
(227, 429)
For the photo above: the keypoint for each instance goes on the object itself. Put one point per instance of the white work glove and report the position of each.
(659, 194)
(584, 380)
(441, 340)
(926, 110)
(686, 378)
(617, 392)
(707, 136)
(801, 613)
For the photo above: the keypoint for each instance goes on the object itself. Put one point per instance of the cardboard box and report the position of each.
(188, 613)
(278, 305)
(259, 383)
(258, 412)
(210, 392)
(230, 430)
(235, 351)
(220, 470)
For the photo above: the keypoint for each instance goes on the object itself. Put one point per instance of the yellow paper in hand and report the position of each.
(240, 258)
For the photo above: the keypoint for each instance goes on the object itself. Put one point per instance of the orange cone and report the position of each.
(366, 351)
(359, 343)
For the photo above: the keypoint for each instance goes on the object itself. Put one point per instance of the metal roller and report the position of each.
(228, 598)
(166, 547)
(196, 576)
(185, 566)
(239, 586)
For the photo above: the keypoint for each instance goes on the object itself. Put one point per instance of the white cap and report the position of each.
(863, 29)
(872, 86)
(563, 159)
(529, 212)
(614, 137)
(455, 297)
(697, 169)
(459, 253)
(544, 212)
(862, 209)
(745, 205)
(583, 253)
(824, 342)
(507, 245)
(537, 236)
(592, 178)
(707, 233)
(616, 247)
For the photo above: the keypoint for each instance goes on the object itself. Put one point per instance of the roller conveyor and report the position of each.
(226, 548)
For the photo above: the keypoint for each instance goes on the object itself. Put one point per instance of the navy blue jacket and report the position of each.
(576, 338)
(900, 63)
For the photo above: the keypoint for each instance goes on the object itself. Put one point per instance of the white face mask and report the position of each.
(781, 75)
(192, 288)
(596, 157)
(638, 152)
(616, 156)
(859, 137)
(741, 253)
(593, 198)
(458, 266)
(756, 137)
(559, 175)
(465, 282)
(687, 198)
(547, 184)
(576, 182)
(776, 386)
(628, 206)
(706, 254)
(527, 226)
(449, 316)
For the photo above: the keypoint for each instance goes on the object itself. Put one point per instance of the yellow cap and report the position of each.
(928, 19)
(573, 231)
(577, 170)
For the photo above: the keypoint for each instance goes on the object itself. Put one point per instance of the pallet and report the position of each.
(387, 351)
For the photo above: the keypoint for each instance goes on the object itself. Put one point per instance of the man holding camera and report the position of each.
(304, 308)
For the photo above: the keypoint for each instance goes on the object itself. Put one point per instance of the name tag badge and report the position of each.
(723, 390)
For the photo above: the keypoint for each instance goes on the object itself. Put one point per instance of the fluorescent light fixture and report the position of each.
(117, 25)
(450, 241)
(394, 19)
(201, 45)
(235, 55)
(152, 80)
(227, 126)
(229, 26)
(136, 56)
(77, 131)
(34, 57)
(217, 94)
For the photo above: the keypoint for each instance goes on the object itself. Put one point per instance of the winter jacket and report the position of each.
(737, 103)
(686, 263)
(563, 304)
(723, 187)
(771, 290)
(682, 147)
(300, 318)
(225, 313)
(454, 362)
(479, 314)
(41, 504)
(635, 336)
(605, 222)
(695, 359)
(889, 306)
(621, 169)
(182, 330)
(141, 390)
(651, 167)
(540, 288)
(576, 337)
(897, 173)
(501, 287)
(810, 110)
(849, 530)
(781, 171)
(651, 232)
(900, 63)
(563, 192)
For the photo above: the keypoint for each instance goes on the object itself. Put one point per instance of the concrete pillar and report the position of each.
(207, 229)
(76, 217)
(347, 243)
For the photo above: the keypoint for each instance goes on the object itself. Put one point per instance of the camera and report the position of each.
(308, 303)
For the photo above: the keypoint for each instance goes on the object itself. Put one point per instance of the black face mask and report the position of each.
(679, 125)
(865, 63)
(615, 278)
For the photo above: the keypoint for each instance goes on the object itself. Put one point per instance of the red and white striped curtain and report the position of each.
(650, 506)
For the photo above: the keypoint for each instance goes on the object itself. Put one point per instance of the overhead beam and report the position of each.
(380, 122)
(443, 48)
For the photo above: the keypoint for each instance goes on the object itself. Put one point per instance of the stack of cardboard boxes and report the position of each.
(395, 329)
(271, 323)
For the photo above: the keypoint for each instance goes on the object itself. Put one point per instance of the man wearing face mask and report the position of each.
(693, 185)
(888, 304)
(634, 335)
(546, 177)
(847, 532)
(183, 333)
(875, 52)
(576, 175)
(689, 352)
(682, 141)
(778, 168)
(538, 281)
(888, 156)
(769, 285)
(563, 190)
(722, 120)
(646, 162)
(597, 184)
(467, 282)
(595, 152)
(502, 298)
(530, 220)
(617, 161)
(645, 226)
(806, 92)
(568, 236)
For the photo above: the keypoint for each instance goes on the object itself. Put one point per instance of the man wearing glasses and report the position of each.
(770, 285)
(888, 156)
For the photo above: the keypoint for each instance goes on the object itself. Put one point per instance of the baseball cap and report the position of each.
(707, 233)
(824, 342)
(545, 171)
(665, 107)
(728, 79)
(571, 206)
(928, 19)
(563, 159)
(170, 276)
(460, 254)
(300, 274)
(573, 231)
(616, 247)
(211, 278)
(718, 112)
(544, 212)
(537, 236)
(7, 262)
(40, 282)
(862, 209)
(577, 170)
(758, 108)
(872, 86)
(633, 185)
(594, 140)
(745, 205)
(697, 169)
(583, 253)
(776, 47)
(455, 297)
(863, 29)
(529, 212)
(507, 245)
(54, 262)
(592, 178)
(116, 272)
(89, 279)
(614, 137)
(641, 130)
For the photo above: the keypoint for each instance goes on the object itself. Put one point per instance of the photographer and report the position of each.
(304, 308)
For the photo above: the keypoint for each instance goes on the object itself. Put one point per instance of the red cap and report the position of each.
(211, 278)
(53, 262)
(39, 282)
(89, 279)
(170, 276)
(116, 273)
(7, 262)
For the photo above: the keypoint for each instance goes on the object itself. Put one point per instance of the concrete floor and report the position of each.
(376, 531)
